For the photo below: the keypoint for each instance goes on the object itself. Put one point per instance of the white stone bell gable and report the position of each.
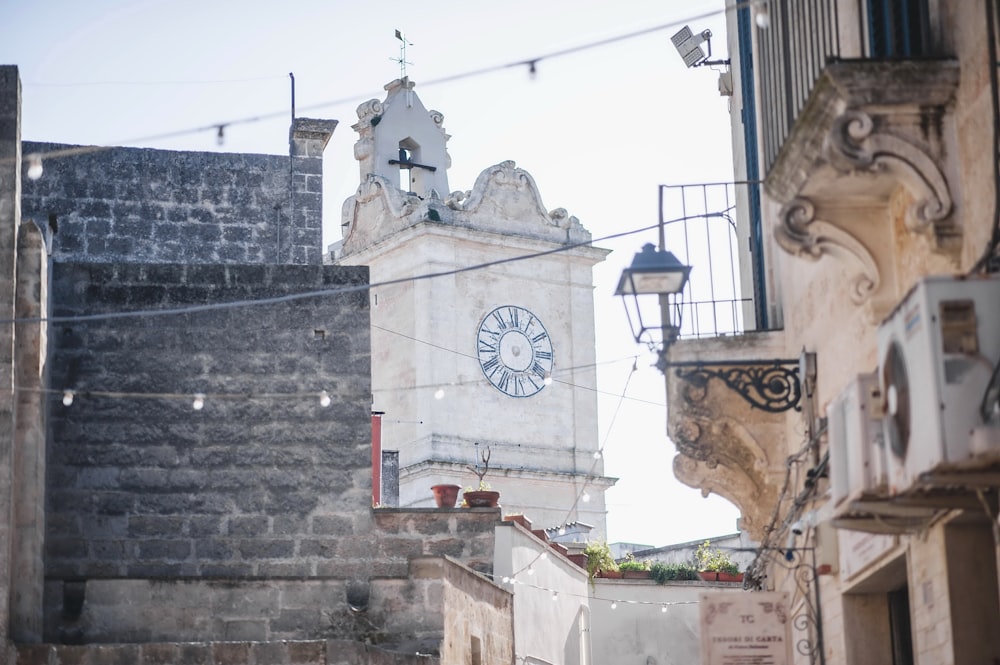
(392, 198)
(400, 129)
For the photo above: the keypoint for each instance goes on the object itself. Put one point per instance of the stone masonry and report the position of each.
(140, 205)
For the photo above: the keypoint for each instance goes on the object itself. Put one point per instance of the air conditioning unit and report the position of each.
(937, 352)
(857, 453)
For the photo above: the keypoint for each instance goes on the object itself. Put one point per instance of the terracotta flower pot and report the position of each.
(708, 575)
(635, 574)
(730, 577)
(481, 499)
(446, 496)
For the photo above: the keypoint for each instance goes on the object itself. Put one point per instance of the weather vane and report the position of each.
(403, 62)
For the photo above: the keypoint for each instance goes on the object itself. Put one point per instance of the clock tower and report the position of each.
(482, 321)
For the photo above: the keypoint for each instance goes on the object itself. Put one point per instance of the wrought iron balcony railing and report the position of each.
(716, 229)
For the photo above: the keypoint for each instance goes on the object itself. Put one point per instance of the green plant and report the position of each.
(598, 558)
(670, 572)
(631, 564)
(714, 560)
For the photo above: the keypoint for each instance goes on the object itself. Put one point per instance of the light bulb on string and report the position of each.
(548, 379)
(543, 556)
(597, 454)
(439, 393)
(324, 398)
(34, 167)
(585, 497)
(555, 596)
(664, 609)
(506, 580)
(614, 605)
(67, 398)
(562, 531)
(531, 571)
(199, 402)
(763, 16)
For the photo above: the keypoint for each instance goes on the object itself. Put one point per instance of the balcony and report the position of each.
(728, 383)
(857, 126)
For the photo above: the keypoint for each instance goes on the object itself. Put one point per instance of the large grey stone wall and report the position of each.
(140, 205)
(255, 484)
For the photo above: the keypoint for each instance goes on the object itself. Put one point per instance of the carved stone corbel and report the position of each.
(800, 234)
(721, 456)
(854, 143)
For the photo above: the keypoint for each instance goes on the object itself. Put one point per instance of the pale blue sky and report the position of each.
(598, 130)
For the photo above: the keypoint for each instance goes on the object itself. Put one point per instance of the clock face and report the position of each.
(515, 351)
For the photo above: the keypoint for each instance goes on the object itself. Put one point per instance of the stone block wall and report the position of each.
(316, 605)
(261, 482)
(139, 205)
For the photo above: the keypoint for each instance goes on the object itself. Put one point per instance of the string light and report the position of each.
(543, 556)
(548, 379)
(439, 393)
(531, 64)
(531, 570)
(614, 604)
(199, 402)
(664, 608)
(597, 454)
(585, 497)
(324, 398)
(67, 398)
(555, 596)
(34, 167)
(763, 15)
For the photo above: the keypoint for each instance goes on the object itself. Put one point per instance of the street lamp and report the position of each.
(654, 272)
(770, 385)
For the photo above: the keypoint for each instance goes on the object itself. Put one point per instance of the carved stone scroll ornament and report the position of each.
(854, 143)
(800, 234)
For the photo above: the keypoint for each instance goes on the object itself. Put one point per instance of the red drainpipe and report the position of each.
(377, 457)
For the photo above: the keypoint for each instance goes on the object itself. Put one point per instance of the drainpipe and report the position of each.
(377, 457)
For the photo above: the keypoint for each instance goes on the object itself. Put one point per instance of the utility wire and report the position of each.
(531, 63)
(342, 290)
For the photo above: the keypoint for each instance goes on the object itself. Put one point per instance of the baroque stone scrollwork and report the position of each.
(800, 234)
(854, 144)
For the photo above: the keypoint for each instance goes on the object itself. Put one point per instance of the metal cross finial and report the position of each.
(403, 62)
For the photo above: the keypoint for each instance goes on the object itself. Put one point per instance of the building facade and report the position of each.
(854, 417)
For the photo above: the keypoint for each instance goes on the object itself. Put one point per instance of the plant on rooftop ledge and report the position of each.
(599, 560)
(672, 572)
(483, 497)
(632, 568)
(716, 564)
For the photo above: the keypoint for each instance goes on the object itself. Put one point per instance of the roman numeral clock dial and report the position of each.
(515, 351)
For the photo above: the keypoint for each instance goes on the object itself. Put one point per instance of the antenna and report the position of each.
(403, 62)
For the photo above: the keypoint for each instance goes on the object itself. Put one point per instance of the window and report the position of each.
(898, 29)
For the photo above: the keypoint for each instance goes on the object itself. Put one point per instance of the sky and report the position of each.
(597, 128)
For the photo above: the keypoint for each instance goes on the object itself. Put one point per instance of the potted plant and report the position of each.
(599, 561)
(673, 572)
(446, 496)
(716, 565)
(484, 496)
(632, 569)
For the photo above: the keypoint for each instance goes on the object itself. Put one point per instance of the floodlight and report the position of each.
(689, 44)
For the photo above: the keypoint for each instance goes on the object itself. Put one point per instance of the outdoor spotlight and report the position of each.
(689, 44)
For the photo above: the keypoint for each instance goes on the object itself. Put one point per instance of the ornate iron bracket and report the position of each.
(803, 577)
(769, 385)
